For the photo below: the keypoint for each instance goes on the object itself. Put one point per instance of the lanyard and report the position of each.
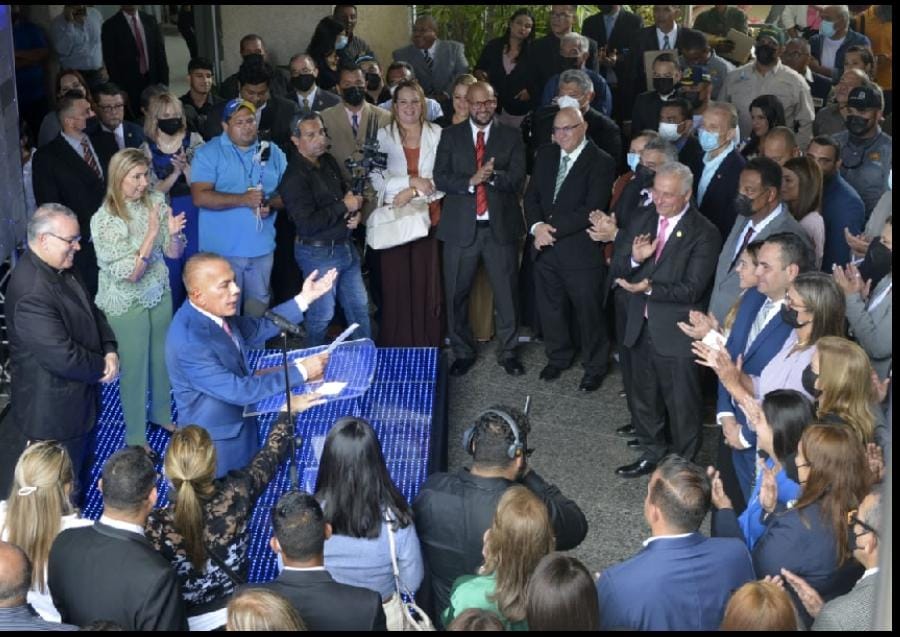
(248, 174)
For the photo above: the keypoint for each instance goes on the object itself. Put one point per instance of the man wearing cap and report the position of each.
(865, 148)
(766, 75)
(695, 51)
(233, 183)
(696, 89)
(325, 212)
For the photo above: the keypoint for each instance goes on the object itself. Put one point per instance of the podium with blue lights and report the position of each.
(404, 404)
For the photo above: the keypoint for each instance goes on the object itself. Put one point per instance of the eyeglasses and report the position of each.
(565, 129)
(853, 520)
(484, 104)
(792, 305)
(70, 242)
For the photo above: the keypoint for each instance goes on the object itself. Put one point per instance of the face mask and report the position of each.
(765, 55)
(169, 126)
(645, 175)
(668, 131)
(743, 205)
(341, 42)
(708, 141)
(567, 101)
(664, 85)
(790, 317)
(571, 63)
(809, 382)
(790, 468)
(373, 81)
(303, 83)
(857, 125)
(633, 160)
(354, 95)
(827, 28)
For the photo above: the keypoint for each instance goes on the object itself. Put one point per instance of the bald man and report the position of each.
(15, 580)
(206, 355)
(779, 145)
(571, 178)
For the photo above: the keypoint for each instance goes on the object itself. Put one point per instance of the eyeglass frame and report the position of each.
(71, 242)
(853, 520)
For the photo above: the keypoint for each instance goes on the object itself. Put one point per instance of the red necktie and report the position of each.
(481, 203)
(89, 157)
(143, 67)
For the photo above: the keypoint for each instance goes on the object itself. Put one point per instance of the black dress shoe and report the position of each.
(627, 431)
(461, 365)
(634, 443)
(550, 372)
(636, 469)
(513, 367)
(590, 382)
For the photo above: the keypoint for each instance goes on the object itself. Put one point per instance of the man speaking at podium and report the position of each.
(206, 355)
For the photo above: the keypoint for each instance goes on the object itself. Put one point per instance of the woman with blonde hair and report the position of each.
(801, 190)
(132, 231)
(37, 510)
(204, 531)
(760, 605)
(840, 378)
(256, 609)
(412, 300)
(519, 537)
(169, 148)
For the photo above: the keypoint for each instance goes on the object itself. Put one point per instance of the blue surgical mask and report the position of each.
(633, 160)
(708, 141)
(341, 42)
(827, 28)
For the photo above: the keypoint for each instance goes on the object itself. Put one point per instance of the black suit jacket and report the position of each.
(718, 202)
(548, 62)
(99, 572)
(274, 125)
(587, 187)
(453, 167)
(602, 130)
(57, 341)
(646, 41)
(280, 86)
(623, 40)
(120, 55)
(680, 280)
(131, 133)
(645, 112)
(508, 86)
(324, 99)
(327, 605)
(691, 155)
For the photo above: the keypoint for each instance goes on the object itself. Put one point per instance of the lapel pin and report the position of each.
(678, 234)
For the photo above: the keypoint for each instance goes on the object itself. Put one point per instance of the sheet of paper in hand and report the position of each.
(348, 374)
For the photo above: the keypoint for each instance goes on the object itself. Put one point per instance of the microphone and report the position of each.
(283, 324)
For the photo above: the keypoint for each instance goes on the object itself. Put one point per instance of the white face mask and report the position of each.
(565, 101)
(668, 131)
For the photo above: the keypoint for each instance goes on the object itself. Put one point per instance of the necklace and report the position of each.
(168, 144)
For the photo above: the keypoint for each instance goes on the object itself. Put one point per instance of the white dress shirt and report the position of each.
(122, 526)
(311, 98)
(75, 143)
(573, 157)
(118, 132)
(649, 540)
(673, 35)
(757, 228)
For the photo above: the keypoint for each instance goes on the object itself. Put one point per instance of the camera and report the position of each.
(371, 159)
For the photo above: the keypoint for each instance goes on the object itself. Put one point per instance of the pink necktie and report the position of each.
(661, 236)
(143, 67)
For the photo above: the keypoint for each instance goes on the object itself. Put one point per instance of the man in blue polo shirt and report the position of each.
(234, 178)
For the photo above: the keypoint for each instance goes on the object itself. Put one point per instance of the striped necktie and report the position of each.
(89, 158)
(561, 174)
(429, 61)
(666, 44)
(759, 322)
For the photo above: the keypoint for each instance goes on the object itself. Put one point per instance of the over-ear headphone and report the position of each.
(516, 449)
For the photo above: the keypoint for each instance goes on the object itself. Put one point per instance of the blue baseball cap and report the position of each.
(234, 106)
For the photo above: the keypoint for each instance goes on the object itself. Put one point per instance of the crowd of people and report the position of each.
(720, 227)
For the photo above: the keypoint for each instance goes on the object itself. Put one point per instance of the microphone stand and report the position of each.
(294, 474)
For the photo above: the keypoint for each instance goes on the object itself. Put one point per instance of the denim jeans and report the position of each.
(252, 275)
(349, 290)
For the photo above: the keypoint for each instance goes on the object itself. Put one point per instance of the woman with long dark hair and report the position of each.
(505, 63)
(766, 112)
(364, 507)
(324, 47)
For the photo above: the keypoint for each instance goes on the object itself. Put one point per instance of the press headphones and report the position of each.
(516, 449)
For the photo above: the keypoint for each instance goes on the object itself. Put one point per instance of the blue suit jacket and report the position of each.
(211, 380)
(674, 584)
(763, 349)
(718, 201)
(842, 207)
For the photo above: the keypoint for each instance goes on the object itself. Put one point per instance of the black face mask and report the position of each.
(170, 126)
(692, 98)
(765, 55)
(303, 83)
(790, 317)
(571, 63)
(373, 81)
(664, 85)
(857, 125)
(743, 205)
(852, 544)
(354, 95)
(809, 382)
(790, 467)
(644, 175)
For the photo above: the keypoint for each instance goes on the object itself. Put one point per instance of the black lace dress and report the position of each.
(226, 519)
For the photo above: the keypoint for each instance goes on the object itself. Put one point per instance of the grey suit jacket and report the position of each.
(324, 99)
(726, 287)
(873, 329)
(343, 142)
(449, 61)
(853, 611)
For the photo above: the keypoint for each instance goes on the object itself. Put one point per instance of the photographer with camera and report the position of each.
(453, 510)
(325, 212)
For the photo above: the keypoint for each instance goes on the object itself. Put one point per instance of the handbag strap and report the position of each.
(234, 577)
(398, 584)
